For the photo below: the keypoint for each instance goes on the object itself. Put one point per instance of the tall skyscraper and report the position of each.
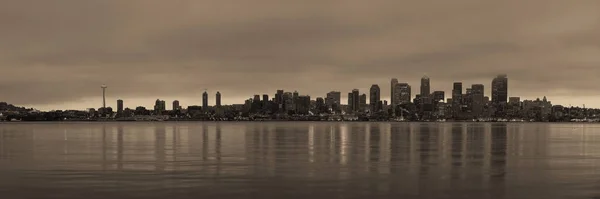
(500, 89)
(333, 98)
(103, 95)
(375, 98)
(403, 93)
(355, 100)
(159, 106)
(205, 101)
(363, 102)
(176, 105)
(425, 87)
(393, 83)
(303, 104)
(279, 100)
(350, 107)
(457, 98)
(477, 94)
(218, 99)
(119, 106)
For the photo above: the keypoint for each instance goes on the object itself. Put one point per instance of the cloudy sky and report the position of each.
(56, 54)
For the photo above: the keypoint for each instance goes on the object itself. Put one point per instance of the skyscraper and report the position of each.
(350, 107)
(218, 99)
(119, 106)
(333, 99)
(159, 106)
(355, 100)
(425, 87)
(393, 101)
(457, 98)
(176, 105)
(477, 94)
(279, 100)
(205, 101)
(363, 102)
(402, 92)
(303, 104)
(375, 98)
(500, 89)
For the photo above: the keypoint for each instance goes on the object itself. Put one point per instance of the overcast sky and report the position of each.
(56, 54)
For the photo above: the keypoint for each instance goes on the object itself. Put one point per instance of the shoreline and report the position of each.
(268, 121)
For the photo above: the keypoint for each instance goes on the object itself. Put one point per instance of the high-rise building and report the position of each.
(500, 89)
(477, 98)
(363, 102)
(303, 105)
(119, 106)
(321, 107)
(393, 83)
(375, 98)
(176, 105)
(218, 99)
(457, 98)
(402, 92)
(279, 100)
(355, 100)
(425, 87)
(159, 106)
(288, 101)
(205, 101)
(333, 99)
(350, 103)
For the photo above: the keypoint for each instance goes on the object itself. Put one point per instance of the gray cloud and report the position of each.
(59, 52)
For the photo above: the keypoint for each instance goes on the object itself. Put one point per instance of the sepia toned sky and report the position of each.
(56, 54)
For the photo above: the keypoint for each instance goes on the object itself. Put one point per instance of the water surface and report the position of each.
(299, 160)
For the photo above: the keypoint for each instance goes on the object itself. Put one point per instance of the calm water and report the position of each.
(299, 160)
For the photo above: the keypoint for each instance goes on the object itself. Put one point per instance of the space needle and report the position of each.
(103, 95)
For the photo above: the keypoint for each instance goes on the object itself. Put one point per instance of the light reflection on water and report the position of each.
(299, 160)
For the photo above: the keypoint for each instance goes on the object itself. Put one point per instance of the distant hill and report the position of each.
(9, 107)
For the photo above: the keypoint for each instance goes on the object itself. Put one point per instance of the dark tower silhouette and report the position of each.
(375, 98)
(500, 89)
(205, 101)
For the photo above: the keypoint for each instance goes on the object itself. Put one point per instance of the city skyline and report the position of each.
(211, 97)
(57, 54)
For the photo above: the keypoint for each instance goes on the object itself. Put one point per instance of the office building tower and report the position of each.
(279, 100)
(176, 105)
(457, 98)
(288, 101)
(159, 106)
(333, 98)
(425, 87)
(355, 100)
(363, 102)
(477, 99)
(119, 106)
(205, 101)
(350, 103)
(218, 99)
(500, 89)
(375, 98)
(303, 104)
(320, 106)
(393, 83)
(402, 92)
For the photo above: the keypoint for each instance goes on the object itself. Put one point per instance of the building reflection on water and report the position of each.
(409, 158)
